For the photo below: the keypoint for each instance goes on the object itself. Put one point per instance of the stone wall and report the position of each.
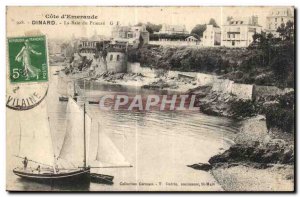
(264, 91)
(222, 85)
(244, 91)
(99, 65)
(116, 62)
(205, 79)
(135, 67)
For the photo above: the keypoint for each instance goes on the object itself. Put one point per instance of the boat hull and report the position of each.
(76, 176)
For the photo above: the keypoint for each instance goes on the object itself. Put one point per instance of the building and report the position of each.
(172, 29)
(277, 17)
(238, 32)
(133, 35)
(116, 62)
(191, 39)
(211, 36)
(87, 46)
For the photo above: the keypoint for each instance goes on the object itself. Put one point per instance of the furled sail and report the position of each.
(32, 135)
(72, 151)
(103, 152)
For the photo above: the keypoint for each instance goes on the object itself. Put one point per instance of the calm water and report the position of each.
(159, 145)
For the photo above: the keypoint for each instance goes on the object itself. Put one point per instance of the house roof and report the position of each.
(191, 37)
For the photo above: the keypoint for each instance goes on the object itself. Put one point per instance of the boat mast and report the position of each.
(84, 140)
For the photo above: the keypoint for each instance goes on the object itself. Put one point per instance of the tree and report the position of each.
(141, 42)
(286, 31)
(275, 54)
(198, 30)
(150, 27)
(213, 22)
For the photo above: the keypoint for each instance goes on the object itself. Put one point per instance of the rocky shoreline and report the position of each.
(262, 158)
(256, 162)
(138, 79)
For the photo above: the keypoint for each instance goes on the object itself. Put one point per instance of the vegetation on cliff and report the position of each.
(267, 61)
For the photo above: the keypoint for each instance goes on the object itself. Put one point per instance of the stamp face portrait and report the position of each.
(27, 59)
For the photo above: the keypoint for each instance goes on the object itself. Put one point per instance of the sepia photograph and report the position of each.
(150, 98)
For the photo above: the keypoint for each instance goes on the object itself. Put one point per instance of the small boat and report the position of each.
(94, 102)
(63, 98)
(101, 178)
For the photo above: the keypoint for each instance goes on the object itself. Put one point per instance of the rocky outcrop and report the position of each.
(274, 152)
(255, 146)
(201, 166)
(160, 84)
(113, 77)
(224, 104)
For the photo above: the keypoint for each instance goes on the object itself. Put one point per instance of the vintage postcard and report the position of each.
(150, 99)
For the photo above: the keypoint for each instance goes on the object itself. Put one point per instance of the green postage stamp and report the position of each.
(28, 59)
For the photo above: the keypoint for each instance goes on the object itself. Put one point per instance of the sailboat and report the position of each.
(71, 165)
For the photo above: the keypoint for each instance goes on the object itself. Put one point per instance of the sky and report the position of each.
(188, 16)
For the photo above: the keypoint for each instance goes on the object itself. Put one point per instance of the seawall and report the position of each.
(241, 91)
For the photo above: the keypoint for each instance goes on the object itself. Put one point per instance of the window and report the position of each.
(233, 35)
(275, 19)
(111, 57)
(281, 19)
(130, 35)
(118, 57)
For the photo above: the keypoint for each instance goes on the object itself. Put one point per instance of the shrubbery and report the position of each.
(210, 60)
(267, 61)
(156, 37)
(281, 115)
(244, 108)
(280, 118)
